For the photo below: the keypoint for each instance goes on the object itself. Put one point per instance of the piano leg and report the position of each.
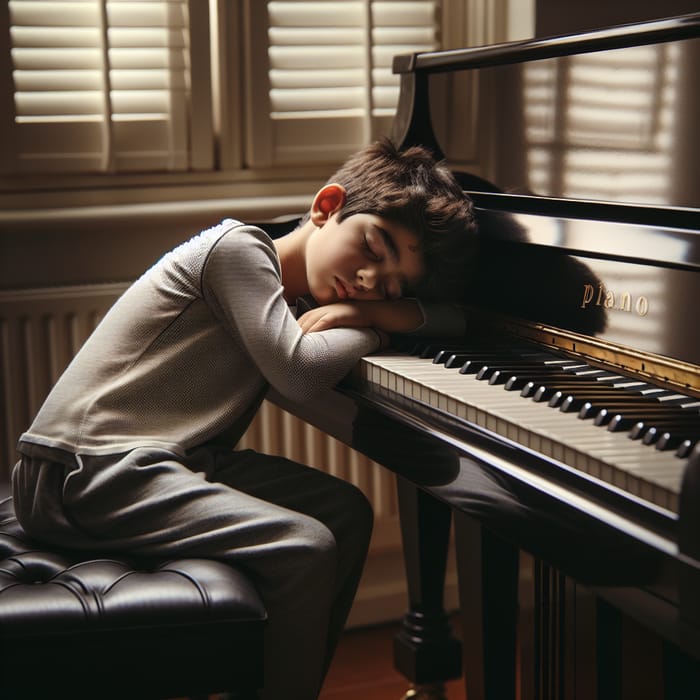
(487, 568)
(609, 651)
(425, 651)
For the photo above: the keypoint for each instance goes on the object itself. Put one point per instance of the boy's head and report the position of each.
(412, 189)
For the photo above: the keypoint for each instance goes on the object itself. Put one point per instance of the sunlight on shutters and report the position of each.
(91, 96)
(620, 101)
(331, 85)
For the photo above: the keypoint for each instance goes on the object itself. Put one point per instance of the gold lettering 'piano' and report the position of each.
(567, 424)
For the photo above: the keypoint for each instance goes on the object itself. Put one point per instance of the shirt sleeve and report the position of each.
(241, 282)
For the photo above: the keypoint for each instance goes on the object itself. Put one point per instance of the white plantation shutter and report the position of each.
(327, 68)
(108, 86)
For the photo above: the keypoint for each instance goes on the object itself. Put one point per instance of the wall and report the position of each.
(571, 16)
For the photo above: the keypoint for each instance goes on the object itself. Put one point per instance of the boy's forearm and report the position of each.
(396, 316)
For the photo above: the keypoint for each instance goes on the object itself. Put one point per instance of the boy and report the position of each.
(132, 450)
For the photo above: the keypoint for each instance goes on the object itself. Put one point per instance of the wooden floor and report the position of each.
(362, 668)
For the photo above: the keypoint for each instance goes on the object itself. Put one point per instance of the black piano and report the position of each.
(567, 424)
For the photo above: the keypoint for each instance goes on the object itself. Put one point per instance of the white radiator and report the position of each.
(40, 331)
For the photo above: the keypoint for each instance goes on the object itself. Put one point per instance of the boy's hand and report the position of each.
(399, 316)
(338, 315)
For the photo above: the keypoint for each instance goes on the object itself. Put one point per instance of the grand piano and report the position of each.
(565, 427)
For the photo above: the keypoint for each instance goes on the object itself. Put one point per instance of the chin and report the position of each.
(320, 299)
(324, 296)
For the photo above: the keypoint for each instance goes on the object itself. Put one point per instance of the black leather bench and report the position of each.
(78, 626)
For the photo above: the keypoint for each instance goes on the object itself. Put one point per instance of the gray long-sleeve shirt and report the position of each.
(187, 353)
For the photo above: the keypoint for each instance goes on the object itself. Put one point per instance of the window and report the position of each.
(127, 86)
(326, 70)
(106, 86)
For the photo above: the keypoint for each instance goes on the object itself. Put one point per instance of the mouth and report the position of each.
(341, 289)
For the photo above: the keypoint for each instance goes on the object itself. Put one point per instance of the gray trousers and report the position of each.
(301, 535)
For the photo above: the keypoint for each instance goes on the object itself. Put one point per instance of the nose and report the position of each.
(367, 279)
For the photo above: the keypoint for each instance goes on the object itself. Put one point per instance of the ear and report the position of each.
(328, 201)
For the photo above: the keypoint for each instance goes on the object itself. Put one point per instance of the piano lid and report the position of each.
(571, 117)
(586, 175)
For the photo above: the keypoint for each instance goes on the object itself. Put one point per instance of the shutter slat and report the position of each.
(58, 71)
(331, 61)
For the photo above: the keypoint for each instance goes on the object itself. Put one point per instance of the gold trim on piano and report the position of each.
(673, 373)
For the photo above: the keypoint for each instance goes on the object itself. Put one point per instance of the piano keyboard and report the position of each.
(588, 425)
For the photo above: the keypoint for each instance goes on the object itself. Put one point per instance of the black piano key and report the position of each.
(503, 370)
(445, 351)
(590, 408)
(502, 359)
(574, 398)
(626, 421)
(569, 384)
(664, 423)
(686, 447)
(651, 435)
(543, 389)
(664, 439)
(672, 441)
(576, 401)
(571, 399)
(485, 372)
(637, 430)
(534, 379)
(428, 348)
(457, 359)
(555, 393)
(670, 434)
(603, 417)
(616, 421)
(517, 377)
(515, 382)
(541, 376)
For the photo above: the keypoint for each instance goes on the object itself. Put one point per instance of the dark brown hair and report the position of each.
(411, 188)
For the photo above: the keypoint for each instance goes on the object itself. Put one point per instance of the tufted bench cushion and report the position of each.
(75, 626)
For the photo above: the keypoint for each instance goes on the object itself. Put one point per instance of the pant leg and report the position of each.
(342, 507)
(148, 503)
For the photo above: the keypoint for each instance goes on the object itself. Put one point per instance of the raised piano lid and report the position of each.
(590, 202)
(606, 115)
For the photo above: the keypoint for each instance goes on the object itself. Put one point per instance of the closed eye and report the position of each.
(372, 252)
